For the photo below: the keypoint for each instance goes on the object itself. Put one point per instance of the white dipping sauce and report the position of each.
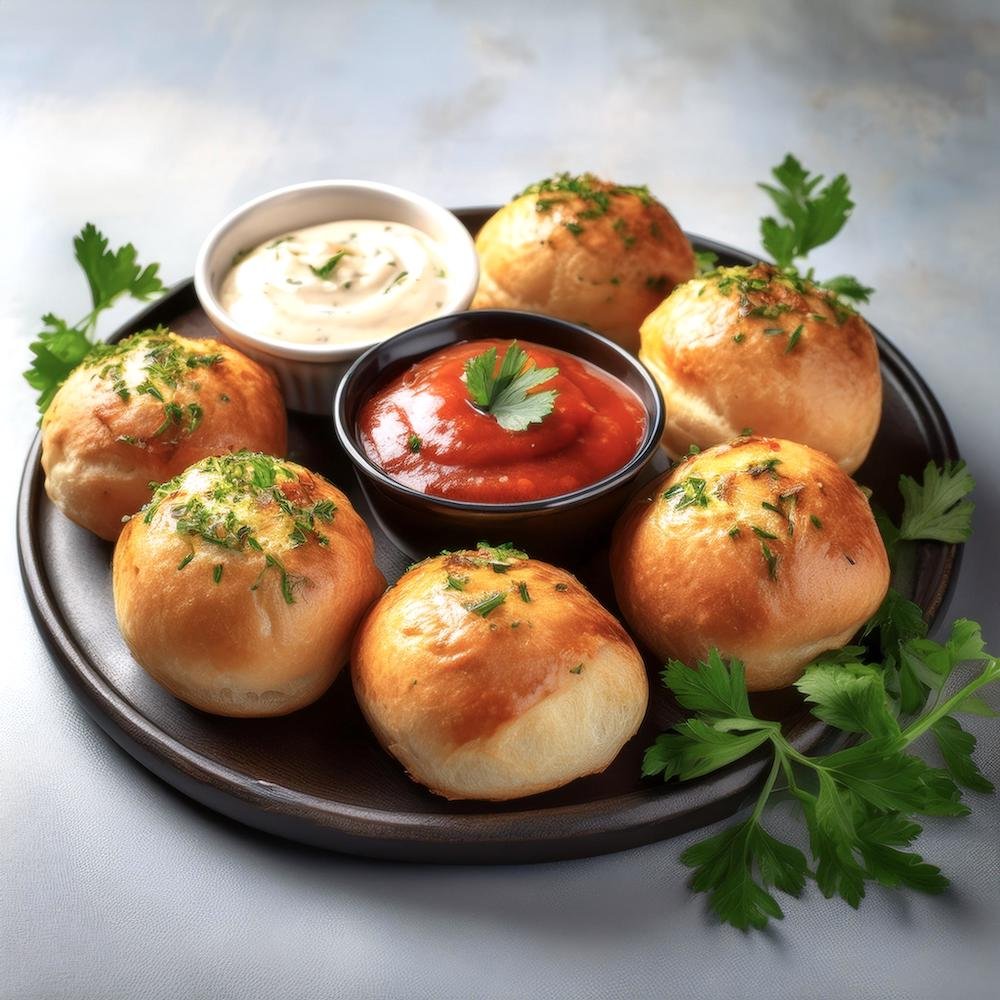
(337, 283)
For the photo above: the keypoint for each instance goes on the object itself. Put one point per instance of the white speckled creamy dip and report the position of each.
(338, 283)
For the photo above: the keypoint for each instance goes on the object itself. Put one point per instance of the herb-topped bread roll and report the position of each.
(584, 250)
(753, 347)
(239, 586)
(489, 675)
(761, 548)
(144, 409)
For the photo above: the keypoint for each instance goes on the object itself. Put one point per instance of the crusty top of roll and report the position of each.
(752, 347)
(491, 675)
(584, 250)
(143, 409)
(239, 585)
(763, 548)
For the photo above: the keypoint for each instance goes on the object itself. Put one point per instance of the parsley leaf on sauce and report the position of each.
(504, 394)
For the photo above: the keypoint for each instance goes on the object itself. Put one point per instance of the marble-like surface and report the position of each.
(154, 120)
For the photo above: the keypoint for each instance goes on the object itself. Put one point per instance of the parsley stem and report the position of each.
(920, 726)
(786, 765)
(765, 792)
(783, 747)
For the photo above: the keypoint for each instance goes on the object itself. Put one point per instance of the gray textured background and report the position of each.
(154, 120)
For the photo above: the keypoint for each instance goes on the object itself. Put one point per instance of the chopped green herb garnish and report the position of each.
(738, 338)
(395, 281)
(620, 226)
(815, 521)
(499, 557)
(769, 557)
(688, 493)
(185, 560)
(168, 365)
(576, 669)
(596, 195)
(217, 572)
(522, 589)
(486, 603)
(769, 466)
(562, 587)
(762, 533)
(287, 582)
(734, 531)
(329, 267)
(172, 415)
(728, 278)
(235, 482)
(456, 582)
(771, 311)
(793, 339)
(413, 442)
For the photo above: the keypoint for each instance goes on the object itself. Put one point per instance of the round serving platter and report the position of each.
(318, 776)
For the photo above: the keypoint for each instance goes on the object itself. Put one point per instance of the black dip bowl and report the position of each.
(557, 527)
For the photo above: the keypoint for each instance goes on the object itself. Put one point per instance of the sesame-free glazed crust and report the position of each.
(698, 561)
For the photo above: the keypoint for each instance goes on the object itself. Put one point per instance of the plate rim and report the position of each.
(544, 834)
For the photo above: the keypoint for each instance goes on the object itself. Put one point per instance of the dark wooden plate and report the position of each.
(319, 776)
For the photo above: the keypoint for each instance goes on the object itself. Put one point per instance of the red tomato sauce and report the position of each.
(424, 430)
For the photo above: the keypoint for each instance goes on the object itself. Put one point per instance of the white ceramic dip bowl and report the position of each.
(309, 372)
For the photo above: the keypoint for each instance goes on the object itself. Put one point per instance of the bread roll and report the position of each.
(494, 685)
(144, 409)
(584, 250)
(239, 586)
(751, 347)
(762, 548)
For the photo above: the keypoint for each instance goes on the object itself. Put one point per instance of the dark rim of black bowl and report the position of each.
(438, 333)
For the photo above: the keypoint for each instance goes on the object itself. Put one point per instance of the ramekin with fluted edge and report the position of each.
(309, 373)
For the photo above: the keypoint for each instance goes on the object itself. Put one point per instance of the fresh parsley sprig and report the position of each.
(858, 804)
(936, 509)
(60, 347)
(504, 394)
(812, 215)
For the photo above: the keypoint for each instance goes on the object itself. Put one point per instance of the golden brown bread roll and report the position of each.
(144, 409)
(762, 548)
(584, 250)
(239, 586)
(494, 685)
(750, 347)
